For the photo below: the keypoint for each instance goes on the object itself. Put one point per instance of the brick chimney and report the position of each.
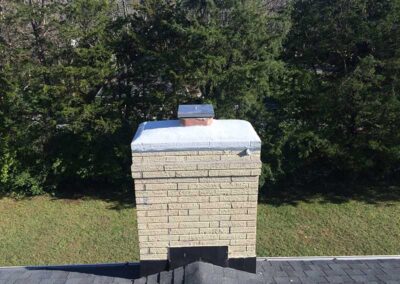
(196, 186)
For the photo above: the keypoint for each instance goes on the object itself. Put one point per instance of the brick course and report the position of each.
(196, 198)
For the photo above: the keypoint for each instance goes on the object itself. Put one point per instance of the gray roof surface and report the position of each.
(276, 271)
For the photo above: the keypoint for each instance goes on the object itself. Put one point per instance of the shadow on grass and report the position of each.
(120, 196)
(383, 194)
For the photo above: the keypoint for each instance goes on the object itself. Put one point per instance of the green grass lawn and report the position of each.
(46, 230)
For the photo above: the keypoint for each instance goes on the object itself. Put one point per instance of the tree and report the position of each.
(345, 115)
(60, 131)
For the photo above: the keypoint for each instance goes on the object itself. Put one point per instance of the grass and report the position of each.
(45, 230)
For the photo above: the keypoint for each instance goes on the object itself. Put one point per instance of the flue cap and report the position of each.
(196, 111)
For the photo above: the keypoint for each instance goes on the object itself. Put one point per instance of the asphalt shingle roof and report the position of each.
(275, 271)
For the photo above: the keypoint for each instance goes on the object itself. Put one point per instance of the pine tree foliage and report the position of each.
(350, 109)
(318, 79)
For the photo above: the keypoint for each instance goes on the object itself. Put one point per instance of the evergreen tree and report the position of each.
(347, 107)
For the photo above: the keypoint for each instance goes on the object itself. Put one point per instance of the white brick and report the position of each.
(198, 237)
(243, 229)
(183, 212)
(184, 243)
(251, 247)
(162, 213)
(157, 238)
(198, 173)
(136, 175)
(251, 236)
(243, 204)
(214, 224)
(241, 254)
(237, 248)
(152, 219)
(216, 191)
(237, 198)
(158, 200)
(139, 186)
(179, 167)
(243, 217)
(236, 158)
(233, 211)
(215, 205)
(253, 198)
(245, 165)
(144, 251)
(222, 173)
(183, 218)
(158, 250)
(233, 223)
(149, 207)
(199, 185)
(163, 186)
(215, 218)
(193, 199)
(215, 179)
(239, 185)
(155, 193)
(240, 191)
(247, 179)
(179, 204)
(194, 225)
(143, 239)
(203, 211)
(159, 174)
(162, 225)
(214, 199)
(214, 230)
(214, 243)
(232, 236)
(183, 205)
(153, 232)
(183, 192)
(203, 158)
(142, 226)
(153, 245)
(169, 180)
(213, 166)
(242, 242)
(146, 167)
(184, 231)
(252, 211)
(158, 159)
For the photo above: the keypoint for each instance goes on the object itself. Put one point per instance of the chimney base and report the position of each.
(149, 267)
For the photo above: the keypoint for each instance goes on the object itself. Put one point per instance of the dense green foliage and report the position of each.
(318, 79)
(346, 112)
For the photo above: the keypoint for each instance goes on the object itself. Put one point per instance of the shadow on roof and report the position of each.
(120, 270)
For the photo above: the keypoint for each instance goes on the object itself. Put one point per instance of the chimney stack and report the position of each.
(196, 186)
